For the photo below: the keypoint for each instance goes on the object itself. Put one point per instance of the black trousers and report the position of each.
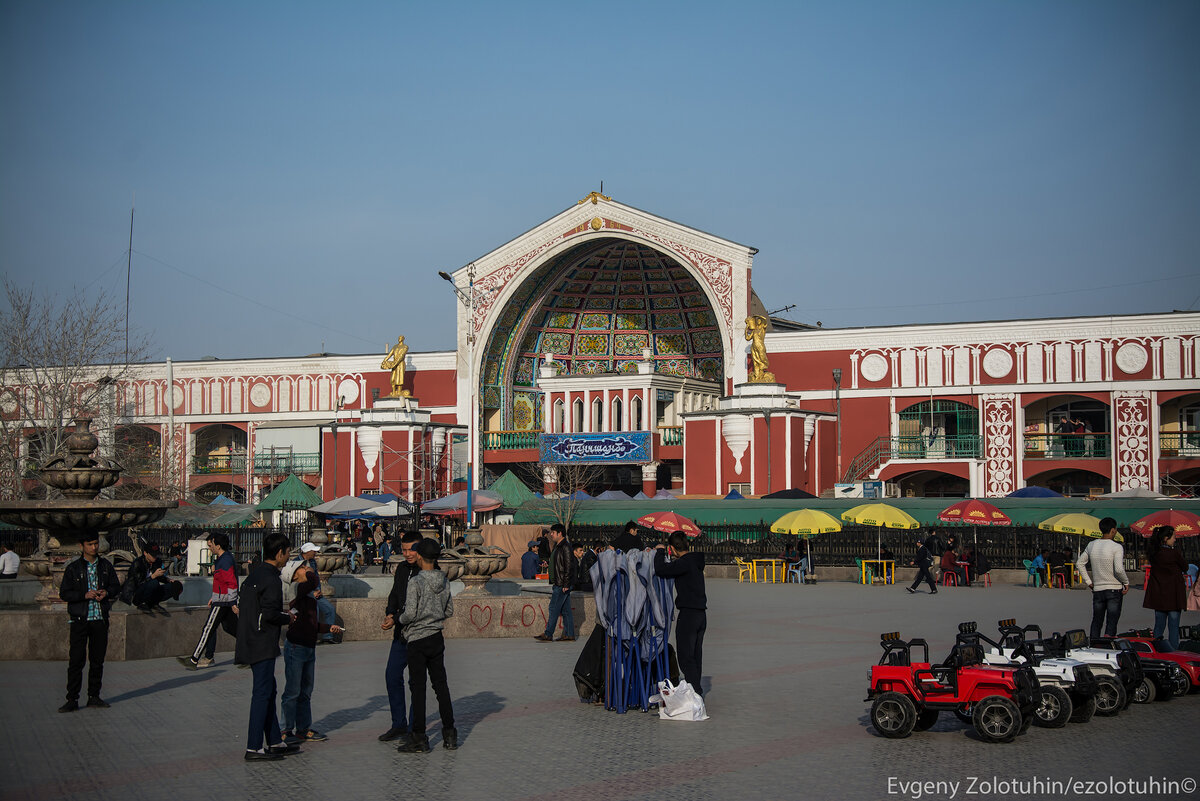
(89, 642)
(689, 645)
(426, 656)
(222, 616)
(923, 574)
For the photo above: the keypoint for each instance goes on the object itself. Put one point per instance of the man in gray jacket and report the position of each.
(1108, 581)
(425, 612)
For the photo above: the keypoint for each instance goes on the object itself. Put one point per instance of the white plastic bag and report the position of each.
(679, 702)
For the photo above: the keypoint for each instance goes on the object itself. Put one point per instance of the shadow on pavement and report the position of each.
(336, 720)
(469, 711)
(163, 686)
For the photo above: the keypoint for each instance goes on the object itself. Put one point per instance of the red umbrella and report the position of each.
(976, 512)
(1186, 524)
(668, 522)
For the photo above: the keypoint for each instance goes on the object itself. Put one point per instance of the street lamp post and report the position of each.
(837, 396)
(467, 298)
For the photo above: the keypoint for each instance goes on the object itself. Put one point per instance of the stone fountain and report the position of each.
(473, 563)
(80, 477)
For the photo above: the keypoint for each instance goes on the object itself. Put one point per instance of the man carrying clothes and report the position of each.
(222, 605)
(425, 611)
(261, 615)
(89, 586)
(1107, 581)
(687, 569)
(393, 674)
(562, 580)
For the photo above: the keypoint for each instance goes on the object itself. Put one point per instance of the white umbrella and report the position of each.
(345, 505)
(1137, 492)
(481, 501)
(396, 508)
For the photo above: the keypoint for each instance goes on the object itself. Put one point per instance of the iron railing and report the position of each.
(1066, 446)
(1179, 443)
(914, 446)
(510, 440)
(263, 463)
(671, 435)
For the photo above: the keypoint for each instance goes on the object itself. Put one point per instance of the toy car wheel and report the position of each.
(894, 715)
(1110, 696)
(926, 719)
(1145, 692)
(1054, 708)
(1180, 684)
(997, 719)
(1083, 710)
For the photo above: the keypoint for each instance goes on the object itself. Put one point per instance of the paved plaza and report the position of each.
(786, 668)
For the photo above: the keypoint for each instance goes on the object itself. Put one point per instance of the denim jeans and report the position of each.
(327, 615)
(300, 672)
(1106, 602)
(264, 723)
(560, 604)
(393, 677)
(1169, 621)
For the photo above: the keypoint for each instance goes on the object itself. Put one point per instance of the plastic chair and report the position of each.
(795, 571)
(1032, 573)
(745, 570)
(870, 575)
(1060, 580)
(1146, 577)
(949, 578)
(986, 579)
(1191, 574)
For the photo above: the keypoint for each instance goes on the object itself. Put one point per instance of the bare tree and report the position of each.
(61, 359)
(570, 477)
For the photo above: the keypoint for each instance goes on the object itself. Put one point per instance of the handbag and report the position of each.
(679, 702)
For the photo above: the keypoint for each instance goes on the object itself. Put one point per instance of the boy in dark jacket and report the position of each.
(393, 674)
(89, 586)
(425, 611)
(260, 604)
(146, 583)
(691, 600)
(300, 658)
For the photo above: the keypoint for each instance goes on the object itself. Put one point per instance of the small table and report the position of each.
(773, 563)
(888, 566)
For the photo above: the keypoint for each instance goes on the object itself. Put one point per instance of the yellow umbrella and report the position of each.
(881, 515)
(805, 523)
(1075, 523)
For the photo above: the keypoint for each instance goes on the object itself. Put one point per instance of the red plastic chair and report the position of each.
(1060, 581)
(949, 579)
(987, 579)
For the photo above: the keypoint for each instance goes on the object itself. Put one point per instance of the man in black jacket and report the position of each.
(691, 600)
(261, 614)
(922, 562)
(562, 580)
(89, 586)
(146, 583)
(393, 675)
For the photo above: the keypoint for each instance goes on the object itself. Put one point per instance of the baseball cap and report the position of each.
(308, 546)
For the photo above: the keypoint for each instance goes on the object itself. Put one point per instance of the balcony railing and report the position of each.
(671, 435)
(1066, 446)
(1179, 443)
(264, 464)
(510, 440)
(914, 446)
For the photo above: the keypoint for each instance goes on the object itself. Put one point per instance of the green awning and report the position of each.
(291, 494)
(1023, 511)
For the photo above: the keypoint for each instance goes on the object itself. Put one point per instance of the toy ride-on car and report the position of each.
(1146, 644)
(1067, 688)
(1161, 680)
(1117, 673)
(907, 696)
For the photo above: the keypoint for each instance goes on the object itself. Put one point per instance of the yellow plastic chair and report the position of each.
(745, 570)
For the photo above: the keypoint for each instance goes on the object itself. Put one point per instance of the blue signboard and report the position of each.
(614, 447)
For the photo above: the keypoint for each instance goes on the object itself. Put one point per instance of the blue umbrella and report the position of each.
(1034, 492)
(734, 495)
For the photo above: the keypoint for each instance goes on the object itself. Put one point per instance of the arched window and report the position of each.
(635, 413)
(618, 415)
(577, 415)
(557, 417)
(597, 415)
(939, 429)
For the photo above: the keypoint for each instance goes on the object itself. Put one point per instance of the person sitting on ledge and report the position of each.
(146, 585)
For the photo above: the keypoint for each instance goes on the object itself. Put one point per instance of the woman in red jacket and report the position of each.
(1166, 590)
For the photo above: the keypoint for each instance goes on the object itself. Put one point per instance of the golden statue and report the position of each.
(756, 334)
(394, 361)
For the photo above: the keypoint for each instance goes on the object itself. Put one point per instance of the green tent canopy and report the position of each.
(291, 494)
(512, 490)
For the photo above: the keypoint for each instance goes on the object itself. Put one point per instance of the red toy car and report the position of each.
(1160, 649)
(907, 696)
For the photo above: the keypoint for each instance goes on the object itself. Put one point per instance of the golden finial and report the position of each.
(595, 197)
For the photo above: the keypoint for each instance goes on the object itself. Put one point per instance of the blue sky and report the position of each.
(303, 170)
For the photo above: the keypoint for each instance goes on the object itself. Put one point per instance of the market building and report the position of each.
(612, 337)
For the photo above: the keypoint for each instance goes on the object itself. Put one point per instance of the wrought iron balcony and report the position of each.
(1184, 443)
(284, 463)
(1067, 446)
(510, 440)
(914, 446)
(219, 464)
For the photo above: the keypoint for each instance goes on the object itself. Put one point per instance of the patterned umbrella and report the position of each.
(668, 522)
(881, 515)
(1186, 524)
(975, 512)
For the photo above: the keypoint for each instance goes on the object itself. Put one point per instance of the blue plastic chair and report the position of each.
(797, 571)
(1032, 573)
(870, 577)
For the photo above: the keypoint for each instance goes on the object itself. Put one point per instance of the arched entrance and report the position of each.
(598, 308)
(1072, 483)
